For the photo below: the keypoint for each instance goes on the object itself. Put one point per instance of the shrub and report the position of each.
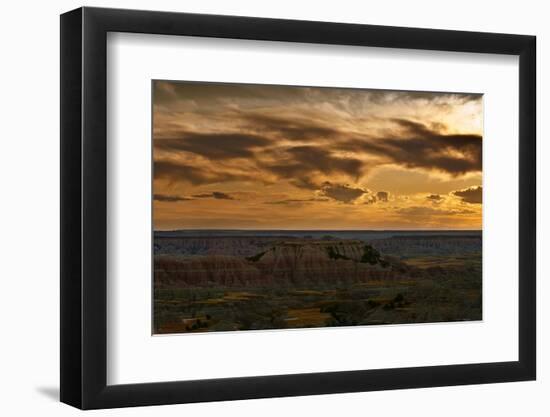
(255, 258)
(370, 255)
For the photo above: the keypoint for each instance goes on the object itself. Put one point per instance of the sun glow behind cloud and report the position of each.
(239, 156)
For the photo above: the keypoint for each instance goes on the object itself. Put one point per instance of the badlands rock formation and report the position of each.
(293, 262)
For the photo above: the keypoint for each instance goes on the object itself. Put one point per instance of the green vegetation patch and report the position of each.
(256, 258)
(370, 255)
(332, 254)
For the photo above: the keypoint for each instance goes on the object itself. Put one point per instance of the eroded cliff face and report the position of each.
(173, 270)
(292, 262)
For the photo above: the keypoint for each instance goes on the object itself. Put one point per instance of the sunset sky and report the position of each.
(239, 156)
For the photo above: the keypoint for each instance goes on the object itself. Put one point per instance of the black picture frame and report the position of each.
(84, 207)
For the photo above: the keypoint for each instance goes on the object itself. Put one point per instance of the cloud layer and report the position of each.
(314, 148)
(471, 195)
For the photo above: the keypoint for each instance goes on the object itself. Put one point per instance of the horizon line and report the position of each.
(317, 230)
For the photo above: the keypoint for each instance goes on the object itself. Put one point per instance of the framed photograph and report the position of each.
(259, 208)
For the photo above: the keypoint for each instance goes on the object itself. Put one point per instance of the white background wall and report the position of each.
(29, 237)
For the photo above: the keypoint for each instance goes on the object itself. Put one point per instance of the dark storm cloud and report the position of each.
(169, 91)
(170, 198)
(342, 192)
(410, 144)
(287, 128)
(435, 198)
(415, 145)
(305, 183)
(382, 196)
(472, 195)
(215, 146)
(215, 194)
(178, 172)
(173, 171)
(222, 196)
(262, 134)
(303, 161)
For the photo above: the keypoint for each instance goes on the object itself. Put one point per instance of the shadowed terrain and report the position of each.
(242, 280)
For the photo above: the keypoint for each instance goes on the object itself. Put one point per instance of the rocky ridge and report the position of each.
(292, 262)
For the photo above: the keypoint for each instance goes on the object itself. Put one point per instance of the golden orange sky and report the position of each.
(243, 156)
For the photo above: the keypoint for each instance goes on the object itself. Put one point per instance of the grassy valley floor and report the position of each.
(444, 288)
